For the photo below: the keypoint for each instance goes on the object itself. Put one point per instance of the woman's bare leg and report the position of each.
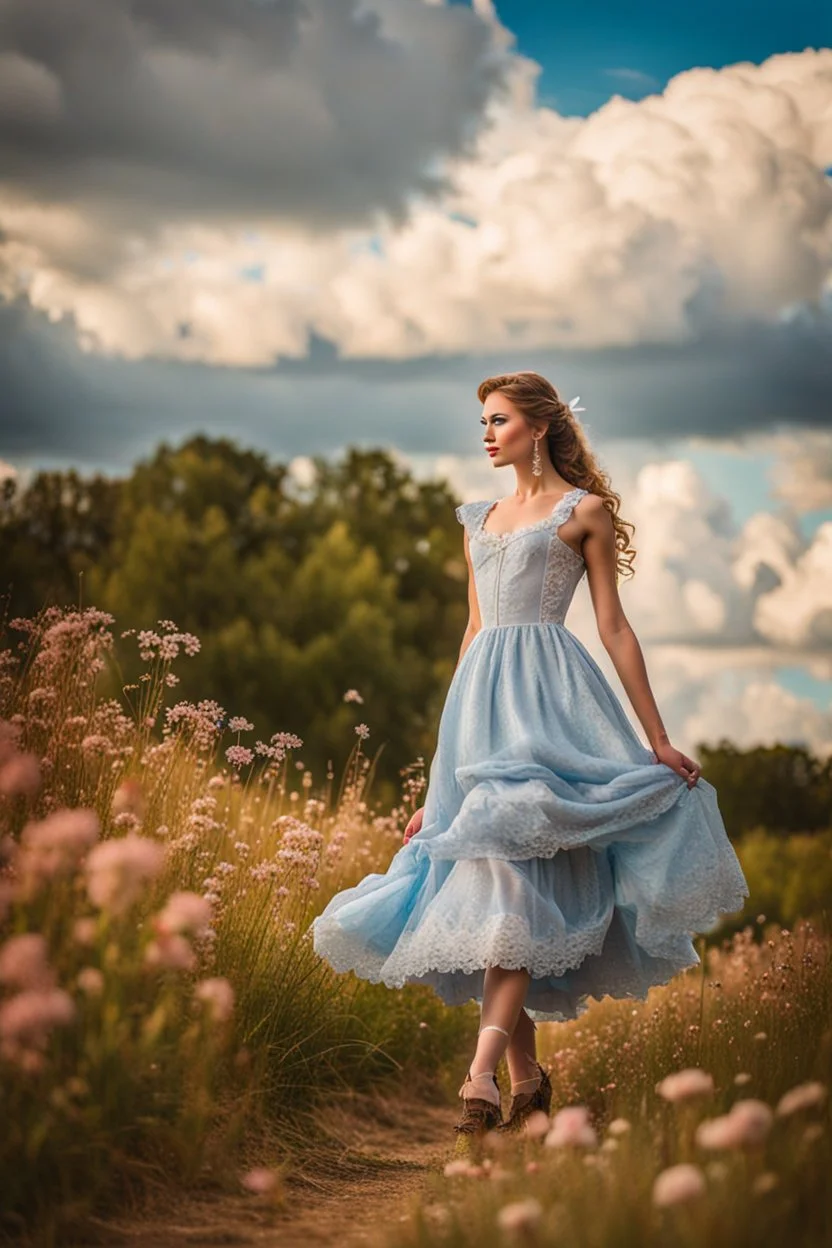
(504, 992)
(521, 1058)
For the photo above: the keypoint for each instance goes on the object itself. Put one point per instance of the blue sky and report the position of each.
(578, 44)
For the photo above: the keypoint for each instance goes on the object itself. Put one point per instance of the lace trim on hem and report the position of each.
(719, 894)
(505, 941)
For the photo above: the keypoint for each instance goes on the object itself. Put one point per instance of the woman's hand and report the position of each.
(678, 762)
(414, 824)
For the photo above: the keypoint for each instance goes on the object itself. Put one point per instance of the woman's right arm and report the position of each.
(474, 620)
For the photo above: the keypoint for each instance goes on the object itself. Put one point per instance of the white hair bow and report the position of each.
(571, 405)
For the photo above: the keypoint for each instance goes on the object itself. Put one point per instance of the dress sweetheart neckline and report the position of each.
(528, 528)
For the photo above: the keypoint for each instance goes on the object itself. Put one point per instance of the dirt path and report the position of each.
(377, 1162)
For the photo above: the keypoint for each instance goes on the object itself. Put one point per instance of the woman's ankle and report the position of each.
(523, 1070)
(483, 1086)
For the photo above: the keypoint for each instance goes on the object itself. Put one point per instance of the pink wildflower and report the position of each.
(183, 912)
(571, 1127)
(260, 1180)
(458, 1166)
(280, 742)
(84, 931)
(239, 755)
(26, 1019)
(128, 798)
(520, 1214)
(218, 995)
(685, 1084)
(23, 962)
(54, 845)
(118, 869)
(20, 775)
(747, 1125)
(536, 1125)
(90, 981)
(202, 723)
(171, 951)
(127, 822)
(803, 1096)
(678, 1184)
(166, 647)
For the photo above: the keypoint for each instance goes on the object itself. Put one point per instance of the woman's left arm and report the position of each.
(618, 638)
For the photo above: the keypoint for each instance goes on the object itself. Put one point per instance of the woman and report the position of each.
(555, 857)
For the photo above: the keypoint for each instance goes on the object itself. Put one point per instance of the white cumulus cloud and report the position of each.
(718, 607)
(802, 475)
(648, 221)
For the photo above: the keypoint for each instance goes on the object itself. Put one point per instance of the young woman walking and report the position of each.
(555, 857)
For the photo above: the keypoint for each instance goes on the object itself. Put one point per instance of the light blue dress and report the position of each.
(551, 837)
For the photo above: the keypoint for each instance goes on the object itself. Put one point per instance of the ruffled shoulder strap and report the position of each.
(469, 514)
(563, 509)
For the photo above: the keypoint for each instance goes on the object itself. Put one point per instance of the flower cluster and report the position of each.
(200, 723)
(278, 745)
(238, 756)
(117, 871)
(166, 646)
(52, 847)
(300, 845)
(19, 772)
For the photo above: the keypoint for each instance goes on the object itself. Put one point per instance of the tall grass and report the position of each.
(161, 1000)
(163, 1016)
(733, 1149)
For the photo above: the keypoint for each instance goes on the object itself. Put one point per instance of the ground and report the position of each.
(351, 1194)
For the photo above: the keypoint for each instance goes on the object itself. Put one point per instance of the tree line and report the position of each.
(299, 593)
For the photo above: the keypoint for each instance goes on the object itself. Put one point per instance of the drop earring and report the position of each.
(537, 463)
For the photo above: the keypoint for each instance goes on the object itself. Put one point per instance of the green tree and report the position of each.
(52, 534)
(298, 595)
(783, 788)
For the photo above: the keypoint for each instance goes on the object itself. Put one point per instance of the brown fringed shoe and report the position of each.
(478, 1115)
(521, 1109)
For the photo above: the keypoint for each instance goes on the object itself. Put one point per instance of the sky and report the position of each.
(589, 51)
(321, 224)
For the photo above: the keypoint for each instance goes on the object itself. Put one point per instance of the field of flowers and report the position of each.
(164, 1020)
(160, 1002)
(700, 1116)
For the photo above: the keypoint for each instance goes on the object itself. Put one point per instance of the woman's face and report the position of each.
(506, 434)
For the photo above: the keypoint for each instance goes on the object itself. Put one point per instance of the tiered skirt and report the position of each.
(551, 840)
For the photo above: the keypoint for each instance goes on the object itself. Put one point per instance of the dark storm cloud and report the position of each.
(61, 406)
(142, 110)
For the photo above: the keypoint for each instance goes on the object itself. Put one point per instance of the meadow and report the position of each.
(164, 1020)
(700, 1116)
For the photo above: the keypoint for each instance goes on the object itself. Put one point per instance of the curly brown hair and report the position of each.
(569, 450)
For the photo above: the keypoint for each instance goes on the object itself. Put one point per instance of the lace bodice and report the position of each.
(525, 577)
